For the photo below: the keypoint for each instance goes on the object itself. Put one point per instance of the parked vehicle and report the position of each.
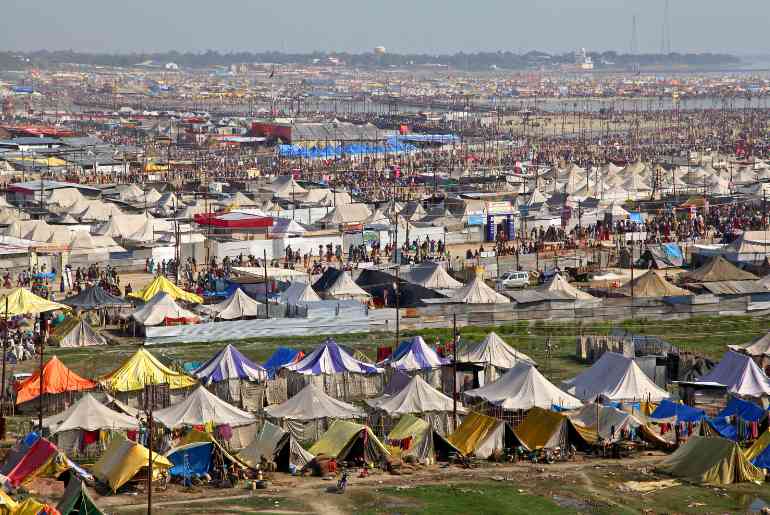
(516, 279)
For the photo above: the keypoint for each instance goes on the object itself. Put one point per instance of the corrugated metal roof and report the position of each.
(734, 287)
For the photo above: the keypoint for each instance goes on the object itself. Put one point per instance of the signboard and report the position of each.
(476, 220)
(510, 231)
(524, 210)
(500, 208)
(490, 228)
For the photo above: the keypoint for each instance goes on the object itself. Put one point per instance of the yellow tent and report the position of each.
(161, 284)
(342, 436)
(759, 445)
(21, 301)
(544, 429)
(717, 460)
(30, 506)
(471, 432)
(7, 505)
(123, 459)
(142, 369)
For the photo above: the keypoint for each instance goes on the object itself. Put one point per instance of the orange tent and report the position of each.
(58, 379)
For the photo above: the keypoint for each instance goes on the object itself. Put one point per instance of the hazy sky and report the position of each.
(429, 26)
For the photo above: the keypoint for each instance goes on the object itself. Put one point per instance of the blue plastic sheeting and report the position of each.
(282, 356)
(724, 429)
(763, 459)
(636, 217)
(673, 251)
(30, 439)
(618, 405)
(191, 366)
(191, 460)
(392, 146)
(429, 138)
(744, 409)
(682, 412)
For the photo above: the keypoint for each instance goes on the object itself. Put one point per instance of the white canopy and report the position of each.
(557, 284)
(740, 374)
(312, 403)
(523, 387)
(299, 292)
(345, 288)
(432, 276)
(238, 305)
(416, 397)
(89, 414)
(616, 378)
(203, 407)
(494, 351)
(477, 292)
(160, 307)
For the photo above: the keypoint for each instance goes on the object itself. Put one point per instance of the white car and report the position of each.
(519, 279)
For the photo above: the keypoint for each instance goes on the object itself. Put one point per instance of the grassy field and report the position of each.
(709, 336)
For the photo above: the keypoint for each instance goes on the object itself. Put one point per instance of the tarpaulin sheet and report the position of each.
(711, 460)
(471, 432)
(191, 460)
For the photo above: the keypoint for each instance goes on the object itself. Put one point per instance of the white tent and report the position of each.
(299, 292)
(271, 444)
(144, 234)
(160, 307)
(608, 421)
(740, 374)
(557, 284)
(327, 197)
(477, 292)
(238, 305)
(522, 388)
(432, 276)
(377, 217)
(345, 288)
(313, 403)
(286, 187)
(81, 335)
(347, 214)
(616, 378)
(88, 414)
(200, 408)
(416, 397)
(495, 355)
(286, 226)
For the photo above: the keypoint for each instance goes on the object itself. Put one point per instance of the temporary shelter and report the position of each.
(31, 458)
(238, 305)
(281, 357)
(345, 288)
(204, 408)
(673, 412)
(652, 284)
(278, 446)
(432, 276)
(298, 293)
(21, 301)
(413, 436)
(95, 297)
(161, 284)
(143, 369)
(76, 429)
(718, 269)
(608, 422)
(76, 332)
(194, 459)
(522, 388)
(481, 436)
(759, 452)
(494, 355)
(545, 429)
(561, 287)
(735, 420)
(758, 349)
(350, 441)
(286, 187)
(123, 459)
(346, 214)
(477, 292)
(77, 501)
(711, 460)
(616, 378)
(414, 356)
(339, 374)
(308, 413)
(740, 374)
(161, 309)
(229, 365)
(416, 398)
(60, 386)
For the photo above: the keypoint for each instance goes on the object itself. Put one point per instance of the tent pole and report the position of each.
(454, 369)
(2, 388)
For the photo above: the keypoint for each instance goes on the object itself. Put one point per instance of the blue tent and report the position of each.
(682, 412)
(282, 356)
(743, 409)
(724, 428)
(191, 460)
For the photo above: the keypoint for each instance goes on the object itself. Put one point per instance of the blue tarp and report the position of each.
(392, 146)
(636, 217)
(724, 429)
(673, 251)
(763, 459)
(282, 356)
(744, 409)
(682, 412)
(635, 406)
(191, 460)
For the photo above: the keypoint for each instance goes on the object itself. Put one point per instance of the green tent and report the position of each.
(713, 460)
(76, 500)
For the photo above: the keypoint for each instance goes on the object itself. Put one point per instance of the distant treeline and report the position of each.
(461, 60)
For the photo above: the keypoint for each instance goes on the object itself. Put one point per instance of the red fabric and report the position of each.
(131, 434)
(90, 437)
(37, 456)
(213, 219)
(383, 353)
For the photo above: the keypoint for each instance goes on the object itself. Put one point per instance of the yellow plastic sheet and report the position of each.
(161, 284)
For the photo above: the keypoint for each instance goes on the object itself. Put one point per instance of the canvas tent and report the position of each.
(712, 460)
(481, 436)
(345, 288)
(142, 369)
(413, 436)
(203, 407)
(159, 309)
(545, 429)
(652, 284)
(123, 459)
(494, 355)
(277, 445)
(561, 287)
(298, 293)
(477, 292)
(77, 333)
(522, 388)
(32, 458)
(238, 305)
(432, 276)
(195, 459)
(718, 269)
(57, 379)
(77, 501)
(607, 422)
(161, 284)
(308, 413)
(350, 441)
(281, 357)
(414, 356)
(21, 301)
(229, 365)
(616, 378)
(88, 414)
(740, 374)
(95, 297)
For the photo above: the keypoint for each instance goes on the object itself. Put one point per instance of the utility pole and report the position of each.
(454, 369)
(2, 388)
(43, 333)
(148, 400)
(264, 254)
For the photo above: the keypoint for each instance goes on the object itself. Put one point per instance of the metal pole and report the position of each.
(2, 388)
(264, 254)
(148, 403)
(42, 376)
(454, 368)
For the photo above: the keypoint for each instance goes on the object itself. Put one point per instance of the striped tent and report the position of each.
(229, 364)
(414, 354)
(330, 358)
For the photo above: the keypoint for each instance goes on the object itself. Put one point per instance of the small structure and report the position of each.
(348, 441)
(123, 459)
(713, 460)
(227, 371)
(61, 386)
(276, 445)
